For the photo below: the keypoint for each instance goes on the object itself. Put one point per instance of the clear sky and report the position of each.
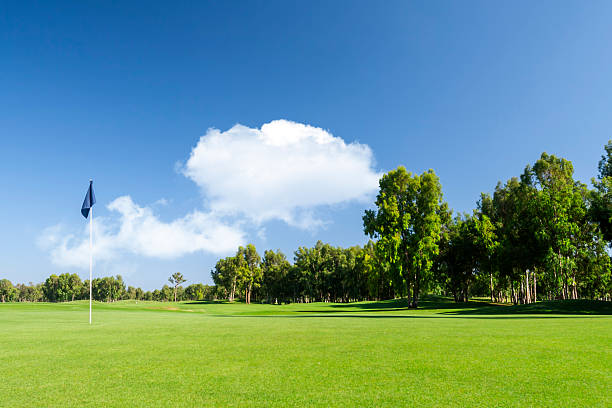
(144, 98)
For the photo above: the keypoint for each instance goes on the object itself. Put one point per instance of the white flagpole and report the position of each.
(90, 255)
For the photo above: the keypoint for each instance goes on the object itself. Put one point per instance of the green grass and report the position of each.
(152, 354)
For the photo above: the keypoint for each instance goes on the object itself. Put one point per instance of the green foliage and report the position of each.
(198, 291)
(108, 289)
(176, 279)
(275, 283)
(407, 226)
(8, 292)
(248, 263)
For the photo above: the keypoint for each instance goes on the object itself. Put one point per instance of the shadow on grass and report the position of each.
(568, 307)
(426, 303)
(447, 306)
(381, 316)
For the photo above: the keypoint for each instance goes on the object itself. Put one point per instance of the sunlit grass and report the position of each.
(364, 354)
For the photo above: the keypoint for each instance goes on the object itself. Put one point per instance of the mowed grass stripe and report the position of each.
(145, 355)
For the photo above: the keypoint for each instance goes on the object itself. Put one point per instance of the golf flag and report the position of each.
(86, 208)
(90, 200)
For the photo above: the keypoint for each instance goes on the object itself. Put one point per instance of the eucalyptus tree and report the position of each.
(376, 271)
(307, 272)
(225, 276)
(352, 276)
(516, 227)
(560, 211)
(50, 288)
(197, 291)
(486, 241)
(465, 247)
(275, 268)
(68, 287)
(8, 292)
(407, 226)
(601, 196)
(30, 292)
(248, 264)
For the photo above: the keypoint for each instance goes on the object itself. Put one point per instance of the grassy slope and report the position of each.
(366, 354)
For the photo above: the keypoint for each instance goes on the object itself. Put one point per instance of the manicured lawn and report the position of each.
(367, 354)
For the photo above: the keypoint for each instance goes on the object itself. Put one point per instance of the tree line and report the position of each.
(540, 235)
(70, 287)
(320, 273)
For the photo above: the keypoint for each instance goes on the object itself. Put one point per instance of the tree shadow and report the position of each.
(558, 307)
(429, 302)
(380, 316)
(447, 306)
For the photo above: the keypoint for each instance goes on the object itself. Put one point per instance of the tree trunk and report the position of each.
(232, 291)
(527, 290)
(560, 274)
(415, 292)
(535, 292)
(491, 275)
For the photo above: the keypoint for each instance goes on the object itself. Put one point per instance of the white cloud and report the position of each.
(137, 230)
(285, 170)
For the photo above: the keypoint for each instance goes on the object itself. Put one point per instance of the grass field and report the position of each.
(152, 354)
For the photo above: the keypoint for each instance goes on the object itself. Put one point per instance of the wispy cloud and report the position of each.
(137, 230)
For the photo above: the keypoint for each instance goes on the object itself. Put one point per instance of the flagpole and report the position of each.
(90, 255)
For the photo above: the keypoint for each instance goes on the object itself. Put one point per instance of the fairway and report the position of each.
(365, 354)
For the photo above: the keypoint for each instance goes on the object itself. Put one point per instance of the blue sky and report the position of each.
(123, 91)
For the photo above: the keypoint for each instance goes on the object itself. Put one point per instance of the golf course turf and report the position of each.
(151, 354)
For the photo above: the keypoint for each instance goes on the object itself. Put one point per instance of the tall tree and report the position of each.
(560, 211)
(601, 196)
(176, 279)
(275, 269)
(249, 270)
(225, 276)
(407, 226)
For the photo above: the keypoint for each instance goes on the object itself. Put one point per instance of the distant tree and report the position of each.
(249, 270)
(166, 293)
(195, 291)
(50, 288)
(275, 269)
(8, 292)
(157, 295)
(131, 293)
(176, 279)
(139, 294)
(30, 292)
(69, 287)
(225, 276)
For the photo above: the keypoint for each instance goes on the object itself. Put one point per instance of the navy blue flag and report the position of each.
(90, 200)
